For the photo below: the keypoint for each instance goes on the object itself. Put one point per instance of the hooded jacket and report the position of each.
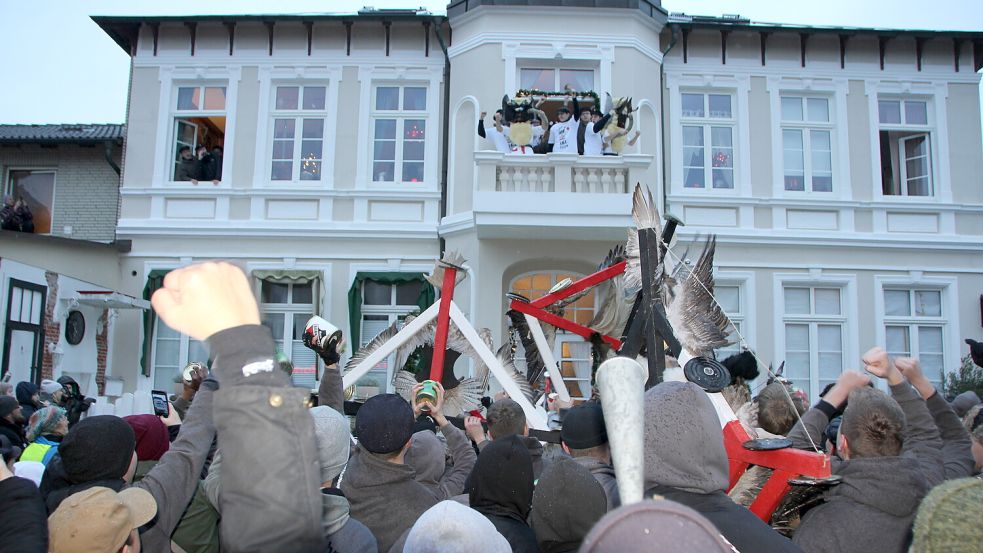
(24, 524)
(872, 509)
(535, 448)
(426, 456)
(384, 496)
(502, 490)
(604, 474)
(685, 461)
(568, 501)
(25, 392)
(343, 533)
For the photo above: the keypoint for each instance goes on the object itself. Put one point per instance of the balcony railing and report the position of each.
(559, 173)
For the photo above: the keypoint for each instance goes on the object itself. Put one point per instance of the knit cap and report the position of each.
(964, 402)
(333, 440)
(8, 404)
(43, 421)
(950, 519)
(153, 439)
(97, 448)
(654, 527)
(449, 527)
(583, 426)
(49, 386)
(384, 423)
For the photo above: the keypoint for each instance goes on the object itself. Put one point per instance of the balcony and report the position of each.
(556, 195)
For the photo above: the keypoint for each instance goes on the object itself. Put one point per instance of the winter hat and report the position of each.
(583, 426)
(97, 448)
(684, 448)
(334, 440)
(502, 481)
(964, 402)
(25, 391)
(153, 439)
(384, 423)
(449, 527)
(950, 519)
(8, 404)
(44, 421)
(567, 502)
(654, 527)
(49, 386)
(99, 520)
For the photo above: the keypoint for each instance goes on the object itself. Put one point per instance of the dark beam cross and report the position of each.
(648, 324)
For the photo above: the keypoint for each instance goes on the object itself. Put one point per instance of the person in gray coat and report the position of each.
(585, 438)
(427, 456)
(889, 446)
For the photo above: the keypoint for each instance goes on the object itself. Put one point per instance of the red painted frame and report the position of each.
(535, 307)
(787, 463)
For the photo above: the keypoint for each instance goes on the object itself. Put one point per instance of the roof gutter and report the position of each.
(445, 147)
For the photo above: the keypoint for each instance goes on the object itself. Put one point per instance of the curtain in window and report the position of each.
(289, 276)
(155, 280)
(427, 296)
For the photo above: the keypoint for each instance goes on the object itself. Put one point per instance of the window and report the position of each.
(814, 324)
(914, 327)
(298, 132)
(906, 147)
(382, 305)
(199, 120)
(172, 351)
(285, 308)
(555, 80)
(399, 122)
(807, 144)
(37, 190)
(708, 140)
(730, 299)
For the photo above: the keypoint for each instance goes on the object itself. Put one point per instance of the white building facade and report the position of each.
(846, 196)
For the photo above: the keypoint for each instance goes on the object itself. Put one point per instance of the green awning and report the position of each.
(425, 300)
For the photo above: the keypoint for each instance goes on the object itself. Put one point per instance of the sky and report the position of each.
(60, 67)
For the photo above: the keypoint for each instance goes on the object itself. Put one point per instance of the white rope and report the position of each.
(744, 344)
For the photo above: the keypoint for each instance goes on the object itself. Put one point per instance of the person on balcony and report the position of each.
(590, 134)
(494, 134)
(563, 134)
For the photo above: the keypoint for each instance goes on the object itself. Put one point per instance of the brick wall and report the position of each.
(52, 327)
(86, 187)
(102, 341)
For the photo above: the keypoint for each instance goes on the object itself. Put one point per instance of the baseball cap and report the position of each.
(98, 520)
(563, 109)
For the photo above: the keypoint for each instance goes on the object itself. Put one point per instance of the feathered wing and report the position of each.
(369, 348)
(614, 300)
(699, 323)
(504, 355)
(645, 214)
(403, 382)
(450, 258)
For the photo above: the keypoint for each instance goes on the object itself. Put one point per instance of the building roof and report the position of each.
(736, 22)
(65, 132)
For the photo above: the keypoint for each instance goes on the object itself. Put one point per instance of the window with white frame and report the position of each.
(915, 326)
(730, 298)
(284, 309)
(554, 79)
(905, 137)
(708, 125)
(198, 119)
(814, 323)
(172, 352)
(36, 189)
(807, 143)
(382, 305)
(298, 119)
(399, 132)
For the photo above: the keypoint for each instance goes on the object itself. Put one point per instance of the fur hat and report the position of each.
(384, 423)
(449, 527)
(950, 519)
(334, 440)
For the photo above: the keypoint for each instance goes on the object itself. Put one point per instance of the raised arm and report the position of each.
(481, 124)
(271, 465)
(957, 446)
(815, 420)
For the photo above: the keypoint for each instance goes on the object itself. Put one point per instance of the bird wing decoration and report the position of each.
(504, 355)
(645, 214)
(370, 347)
(614, 299)
(450, 258)
(697, 320)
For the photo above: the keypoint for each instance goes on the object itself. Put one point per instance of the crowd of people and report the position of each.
(578, 131)
(16, 215)
(243, 463)
(199, 165)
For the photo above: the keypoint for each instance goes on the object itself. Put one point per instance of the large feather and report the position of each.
(697, 320)
(504, 355)
(371, 347)
(451, 258)
(614, 300)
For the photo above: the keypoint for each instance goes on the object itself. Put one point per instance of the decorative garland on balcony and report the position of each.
(523, 93)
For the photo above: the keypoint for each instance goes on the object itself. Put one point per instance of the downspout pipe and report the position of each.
(673, 38)
(445, 134)
(109, 157)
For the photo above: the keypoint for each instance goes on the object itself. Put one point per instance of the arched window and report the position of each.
(571, 351)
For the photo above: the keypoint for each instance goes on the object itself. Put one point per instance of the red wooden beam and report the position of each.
(580, 285)
(560, 322)
(443, 324)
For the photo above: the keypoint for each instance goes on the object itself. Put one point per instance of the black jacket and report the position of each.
(25, 392)
(24, 523)
(14, 433)
(501, 488)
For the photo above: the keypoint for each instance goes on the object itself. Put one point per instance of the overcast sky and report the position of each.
(59, 67)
